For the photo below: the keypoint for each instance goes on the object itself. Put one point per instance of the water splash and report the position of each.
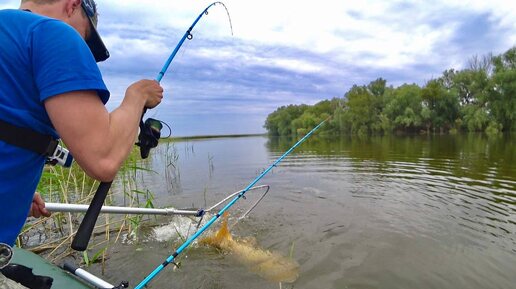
(269, 265)
(179, 228)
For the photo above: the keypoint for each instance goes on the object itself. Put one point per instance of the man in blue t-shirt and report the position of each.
(50, 83)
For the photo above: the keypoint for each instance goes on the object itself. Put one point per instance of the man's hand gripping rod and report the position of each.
(148, 129)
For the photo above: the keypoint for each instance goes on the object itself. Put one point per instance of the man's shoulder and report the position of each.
(32, 21)
(16, 16)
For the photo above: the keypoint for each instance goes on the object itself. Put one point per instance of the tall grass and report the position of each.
(52, 236)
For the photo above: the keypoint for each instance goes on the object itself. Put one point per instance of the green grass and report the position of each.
(52, 236)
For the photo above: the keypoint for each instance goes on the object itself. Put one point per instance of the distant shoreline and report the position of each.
(174, 138)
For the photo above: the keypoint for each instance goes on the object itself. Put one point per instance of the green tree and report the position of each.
(441, 105)
(470, 85)
(403, 107)
(502, 96)
(479, 98)
(341, 121)
(364, 104)
(280, 121)
(476, 118)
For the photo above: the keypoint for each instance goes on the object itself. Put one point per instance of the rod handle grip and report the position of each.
(82, 237)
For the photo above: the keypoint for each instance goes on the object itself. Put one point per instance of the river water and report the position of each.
(380, 212)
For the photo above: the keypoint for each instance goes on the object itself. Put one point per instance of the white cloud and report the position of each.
(292, 51)
(396, 33)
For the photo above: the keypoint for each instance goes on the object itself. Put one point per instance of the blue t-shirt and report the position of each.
(40, 57)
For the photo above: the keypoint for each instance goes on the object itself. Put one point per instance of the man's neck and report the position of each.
(49, 10)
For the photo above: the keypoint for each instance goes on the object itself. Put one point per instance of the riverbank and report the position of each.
(181, 138)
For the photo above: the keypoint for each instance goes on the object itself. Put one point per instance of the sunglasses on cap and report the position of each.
(97, 47)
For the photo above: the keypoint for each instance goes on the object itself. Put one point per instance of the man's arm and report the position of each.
(98, 140)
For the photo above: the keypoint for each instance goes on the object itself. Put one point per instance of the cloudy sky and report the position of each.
(287, 52)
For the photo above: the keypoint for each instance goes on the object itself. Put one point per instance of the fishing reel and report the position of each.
(150, 133)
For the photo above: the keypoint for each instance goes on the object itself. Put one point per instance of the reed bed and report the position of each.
(51, 236)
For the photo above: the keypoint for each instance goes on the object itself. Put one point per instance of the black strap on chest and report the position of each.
(27, 138)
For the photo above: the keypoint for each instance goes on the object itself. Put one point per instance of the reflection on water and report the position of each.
(439, 208)
(472, 179)
(380, 212)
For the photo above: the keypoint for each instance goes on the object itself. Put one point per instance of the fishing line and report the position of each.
(150, 132)
(188, 35)
(169, 129)
(187, 243)
(83, 235)
(186, 47)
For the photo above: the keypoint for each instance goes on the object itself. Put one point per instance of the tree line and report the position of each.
(481, 97)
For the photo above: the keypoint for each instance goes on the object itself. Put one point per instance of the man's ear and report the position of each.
(71, 6)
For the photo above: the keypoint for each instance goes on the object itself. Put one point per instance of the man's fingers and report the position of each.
(35, 212)
(38, 209)
(44, 211)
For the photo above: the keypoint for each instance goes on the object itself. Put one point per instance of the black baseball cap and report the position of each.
(94, 41)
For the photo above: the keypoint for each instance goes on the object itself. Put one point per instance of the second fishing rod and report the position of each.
(189, 241)
(150, 133)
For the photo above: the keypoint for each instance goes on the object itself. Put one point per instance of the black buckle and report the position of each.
(52, 145)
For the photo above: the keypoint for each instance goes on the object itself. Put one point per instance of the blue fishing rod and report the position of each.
(151, 128)
(150, 133)
(178, 251)
(188, 35)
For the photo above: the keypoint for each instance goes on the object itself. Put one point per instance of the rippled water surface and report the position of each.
(384, 212)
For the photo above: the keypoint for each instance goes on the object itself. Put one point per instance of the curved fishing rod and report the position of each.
(178, 251)
(188, 35)
(148, 138)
